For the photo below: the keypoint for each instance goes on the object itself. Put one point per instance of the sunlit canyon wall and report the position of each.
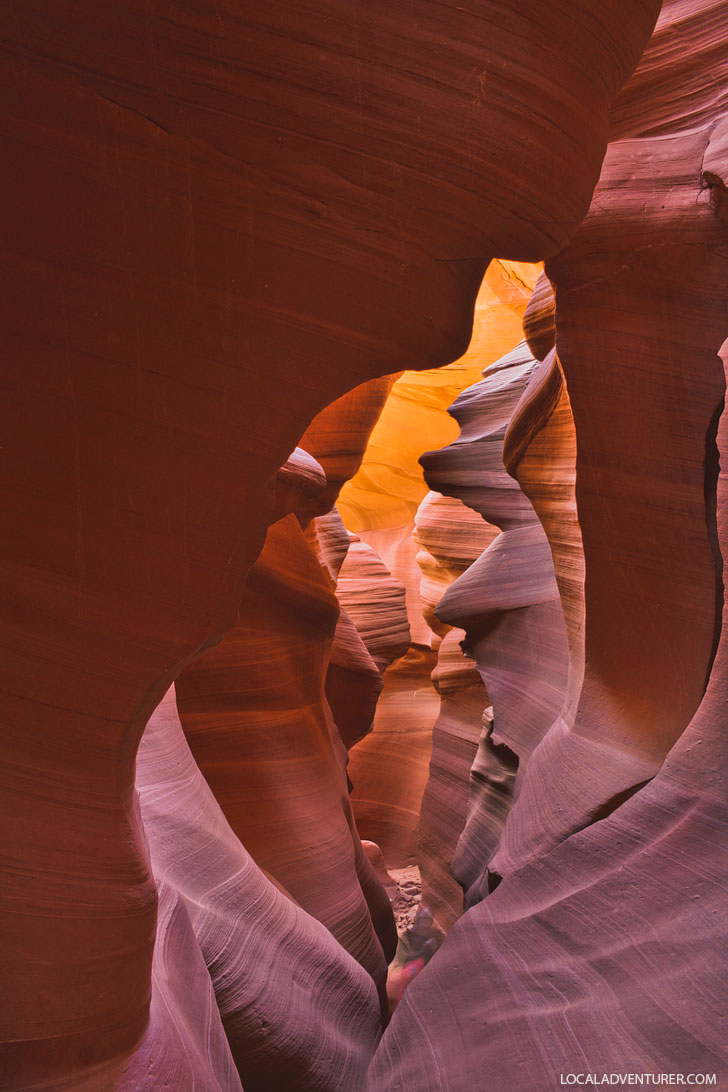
(227, 229)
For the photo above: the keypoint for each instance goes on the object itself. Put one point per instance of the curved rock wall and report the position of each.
(218, 223)
(650, 1001)
(640, 531)
(600, 951)
(298, 1012)
(390, 769)
(508, 604)
(451, 538)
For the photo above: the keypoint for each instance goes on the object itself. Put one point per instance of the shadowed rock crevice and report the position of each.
(604, 810)
(712, 472)
(224, 225)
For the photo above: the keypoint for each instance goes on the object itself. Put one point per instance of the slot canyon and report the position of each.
(364, 504)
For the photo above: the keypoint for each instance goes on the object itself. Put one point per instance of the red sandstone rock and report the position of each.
(539, 321)
(539, 450)
(188, 239)
(353, 682)
(375, 602)
(388, 768)
(287, 1026)
(254, 715)
(446, 797)
(508, 604)
(338, 435)
(620, 927)
(602, 950)
(649, 636)
(452, 537)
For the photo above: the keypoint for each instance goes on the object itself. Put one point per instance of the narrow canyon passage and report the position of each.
(364, 512)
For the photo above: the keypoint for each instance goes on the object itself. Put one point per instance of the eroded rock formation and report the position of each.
(508, 603)
(591, 945)
(221, 221)
(451, 538)
(319, 1030)
(383, 503)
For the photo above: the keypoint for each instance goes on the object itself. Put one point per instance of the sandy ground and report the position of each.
(406, 899)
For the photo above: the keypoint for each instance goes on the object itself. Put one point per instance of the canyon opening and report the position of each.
(364, 512)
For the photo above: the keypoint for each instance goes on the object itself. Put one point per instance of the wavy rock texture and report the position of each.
(388, 768)
(451, 538)
(353, 682)
(539, 450)
(380, 502)
(338, 437)
(184, 1045)
(260, 695)
(254, 712)
(339, 434)
(652, 1000)
(539, 319)
(388, 488)
(298, 1011)
(649, 636)
(508, 604)
(202, 241)
(446, 796)
(375, 602)
(578, 986)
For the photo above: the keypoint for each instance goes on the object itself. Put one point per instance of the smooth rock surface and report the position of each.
(255, 716)
(602, 950)
(507, 602)
(451, 537)
(297, 1010)
(198, 260)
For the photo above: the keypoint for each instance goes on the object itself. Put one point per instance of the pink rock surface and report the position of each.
(446, 796)
(298, 1011)
(539, 450)
(650, 619)
(508, 604)
(451, 537)
(375, 602)
(602, 950)
(606, 955)
(388, 768)
(203, 240)
(255, 716)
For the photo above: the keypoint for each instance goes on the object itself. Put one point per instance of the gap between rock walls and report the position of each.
(363, 713)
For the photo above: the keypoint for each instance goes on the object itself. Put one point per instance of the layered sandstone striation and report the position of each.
(507, 602)
(198, 261)
(381, 500)
(651, 1000)
(600, 951)
(383, 504)
(451, 537)
(375, 602)
(648, 638)
(388, 769)
(317, 1032)
(260, 728)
